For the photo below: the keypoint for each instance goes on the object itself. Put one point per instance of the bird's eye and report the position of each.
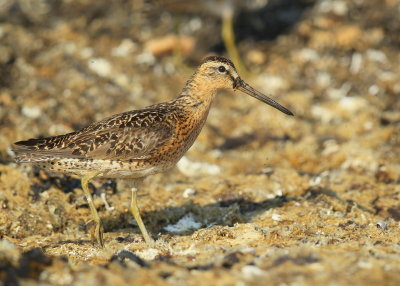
(221, 69)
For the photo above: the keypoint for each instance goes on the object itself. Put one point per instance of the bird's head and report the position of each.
(220, 73)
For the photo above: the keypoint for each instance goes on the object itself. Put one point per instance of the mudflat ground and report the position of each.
(261, 198)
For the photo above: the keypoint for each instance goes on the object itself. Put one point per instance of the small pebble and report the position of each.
(377, 56)
(125, 48)
(308, 55)
(31, 111)
(188, 192)
(100, 66)
(381, 224)
(251, 271)
(276, 217)
(191, 168)
(255, 57)
(146, 58)
(184, 224)
(148, 253)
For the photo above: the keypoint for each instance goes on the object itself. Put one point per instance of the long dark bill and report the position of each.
(244, 87)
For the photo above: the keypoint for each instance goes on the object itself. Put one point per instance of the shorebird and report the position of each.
(138, 143)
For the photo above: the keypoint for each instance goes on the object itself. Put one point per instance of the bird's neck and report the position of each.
(198, 94)
(192, 108)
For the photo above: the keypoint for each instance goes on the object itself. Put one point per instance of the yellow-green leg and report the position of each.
(98, 233)
(228, 37)
(136, 214)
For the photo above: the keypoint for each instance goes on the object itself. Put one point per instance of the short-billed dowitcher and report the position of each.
(138, 143)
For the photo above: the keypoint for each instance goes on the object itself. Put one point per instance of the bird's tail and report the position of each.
(32, 150)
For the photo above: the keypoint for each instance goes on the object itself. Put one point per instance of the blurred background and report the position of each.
(65, 64)
(334, 63)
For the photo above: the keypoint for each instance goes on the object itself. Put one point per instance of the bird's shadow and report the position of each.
(190, 217)
(186, 219)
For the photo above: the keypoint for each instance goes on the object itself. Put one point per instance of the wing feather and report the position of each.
(133, 135)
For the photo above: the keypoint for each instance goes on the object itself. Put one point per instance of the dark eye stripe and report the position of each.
(232, 78)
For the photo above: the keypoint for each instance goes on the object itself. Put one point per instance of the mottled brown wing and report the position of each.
(122, 143)
(126, 136)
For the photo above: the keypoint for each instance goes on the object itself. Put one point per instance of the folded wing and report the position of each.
(132, 135)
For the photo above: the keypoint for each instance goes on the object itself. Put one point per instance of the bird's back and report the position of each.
(131, 135)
